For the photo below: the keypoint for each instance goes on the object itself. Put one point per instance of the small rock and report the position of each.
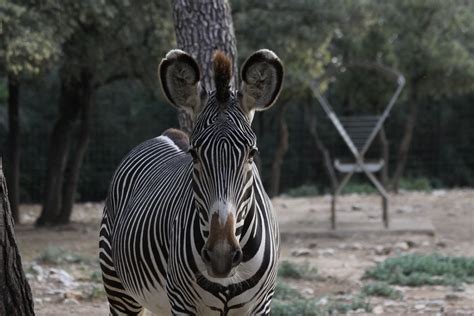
(355, 246)
(404, 210)
(378, 310)
(372, 216)
(38, 301)
(382, 250)
(452, 297)
(312, 245)
(307, 291)
(420, 306)
(342, 246)
(301, 252)
(323, 301)
(425, 243)
(359, 311)
(402, 245)
(411, 243)
(62, 276)
(312, 210)
(451, 214)
(283, 205)
(379, 259)
(441, 244)
(327, 252)
(435, 303)
(356, 208)
(70, 301)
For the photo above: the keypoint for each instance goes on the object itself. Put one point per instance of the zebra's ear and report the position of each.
(262, 78)
(179, 76)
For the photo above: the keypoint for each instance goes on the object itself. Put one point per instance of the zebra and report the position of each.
(187, 227)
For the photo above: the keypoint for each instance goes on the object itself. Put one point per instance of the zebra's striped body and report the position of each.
(157, 221)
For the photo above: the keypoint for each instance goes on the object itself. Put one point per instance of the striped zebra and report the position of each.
(187, 227)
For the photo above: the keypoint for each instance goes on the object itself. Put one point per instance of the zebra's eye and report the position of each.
(252, 154)
(194, 155)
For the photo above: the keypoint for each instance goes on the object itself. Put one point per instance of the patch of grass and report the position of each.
(358, 187)
(57, 255)
(415, 184)
(96, 277)
(418, 270)
(381, 289)
(338, 307)
(285, 292)
(297, 271)
(288, 301)
(300, 307)
(303, 191)
(97, 292)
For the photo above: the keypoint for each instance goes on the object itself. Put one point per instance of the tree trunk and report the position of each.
(385, 156)
(280, 151)
(58, 149)
(202, 27)
(13, 146)
(15, 292)
(75, 161)
(312, 124)
(407, 137)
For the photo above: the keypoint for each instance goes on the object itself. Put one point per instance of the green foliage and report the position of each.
(381, 289)
(416, 184)
(303, 307)
(359, 187)
(56, 255)
(303, 191)
(293, 270)
(96, 276)
(285, 292)
(340, 307)
(418, 270)
(97, 291)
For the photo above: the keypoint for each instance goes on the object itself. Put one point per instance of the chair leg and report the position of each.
(333, 211)
(385, 211)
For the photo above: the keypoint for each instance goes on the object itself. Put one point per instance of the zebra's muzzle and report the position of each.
(222, 252)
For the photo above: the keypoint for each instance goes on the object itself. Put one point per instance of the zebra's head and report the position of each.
(222, 145)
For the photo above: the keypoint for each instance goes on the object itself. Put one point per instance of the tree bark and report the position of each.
(328, 166)
(202, 27)
(15, 292)
(407, 137)
(280, 151)
(59, 148)
(13, 146)
(75, 161)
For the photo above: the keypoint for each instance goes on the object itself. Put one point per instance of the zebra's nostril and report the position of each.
(205, 256)
(237, 258)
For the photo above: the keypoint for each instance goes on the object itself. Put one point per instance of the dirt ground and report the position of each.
(62, 266)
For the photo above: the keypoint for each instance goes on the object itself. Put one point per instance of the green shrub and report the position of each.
(415, 184)
(284, 292)
(358, 187)
(417, 270)
(338, 307)
(300, 307)
(303, 191)
(381, 289)
(293, 270)
(57, 255)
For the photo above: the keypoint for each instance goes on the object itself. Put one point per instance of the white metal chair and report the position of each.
(358, 132)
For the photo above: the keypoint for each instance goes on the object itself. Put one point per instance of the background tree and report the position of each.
(23, 54)
(107, 41)
(202, 27)
(15, 292)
